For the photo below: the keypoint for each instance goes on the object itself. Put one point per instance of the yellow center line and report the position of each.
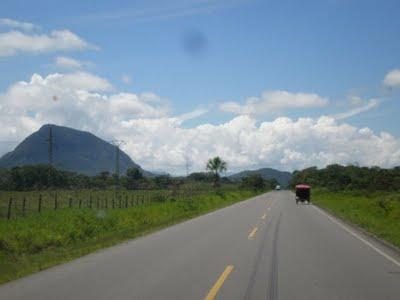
(264, 216)
(214, 290)
(253, 233)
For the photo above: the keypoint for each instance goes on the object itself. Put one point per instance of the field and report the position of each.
(377, 213)
(38, 241)
(20, 204)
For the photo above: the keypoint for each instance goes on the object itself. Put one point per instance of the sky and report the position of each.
(281, 84)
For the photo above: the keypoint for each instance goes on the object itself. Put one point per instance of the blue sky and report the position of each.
(336, 49)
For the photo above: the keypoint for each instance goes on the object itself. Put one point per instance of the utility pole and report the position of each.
(117, 151)
(50, 156)
(50, 148)
(187, 165)
(117, 144)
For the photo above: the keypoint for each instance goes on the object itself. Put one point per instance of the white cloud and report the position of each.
(158, 140)
(362, 107)
(14, 42)
(127, 79)
(283, 143)
(72, 99)
(26, 26)
(274, 101)
(392, 79)
(126, 104)
(67, 63)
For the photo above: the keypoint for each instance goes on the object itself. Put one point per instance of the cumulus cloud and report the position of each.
(156, 139)
(26, 26)
(74, 99)
(274, 101)
(68, 63)
(283, 143)
(14, 42)
(392, 79)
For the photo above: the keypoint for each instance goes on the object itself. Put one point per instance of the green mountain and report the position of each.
(282, 177)
(73, 150)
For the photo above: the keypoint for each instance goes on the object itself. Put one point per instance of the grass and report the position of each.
(39, 241)
(73, 198)
(377, 213)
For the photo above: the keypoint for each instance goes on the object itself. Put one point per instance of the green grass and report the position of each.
(40, 241)
(377, 213)
(74, 198)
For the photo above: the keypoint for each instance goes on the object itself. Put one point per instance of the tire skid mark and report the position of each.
(249, 290)
(273, 278)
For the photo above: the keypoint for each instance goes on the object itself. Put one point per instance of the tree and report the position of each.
(133, 176)
(254, 181)
(201, 176)
(216, 166)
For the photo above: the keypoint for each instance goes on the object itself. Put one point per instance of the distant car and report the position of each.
(303, 193)
(278, 187)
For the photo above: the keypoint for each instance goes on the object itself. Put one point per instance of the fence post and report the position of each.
(55, 202)
(9, 209)
(119, 201)
(23, 206)
(80, 202)
(70, 202)
(106, 202)
(40, 203)
(97, 203)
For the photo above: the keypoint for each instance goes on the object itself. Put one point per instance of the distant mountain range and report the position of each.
(73, 150)
(282, 177)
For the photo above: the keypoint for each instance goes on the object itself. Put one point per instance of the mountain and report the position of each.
(282, 177)
(73, 150)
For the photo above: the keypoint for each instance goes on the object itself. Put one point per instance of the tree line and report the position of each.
(42, 177)
(351, 177)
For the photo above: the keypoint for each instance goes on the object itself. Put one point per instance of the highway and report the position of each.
(266, 247)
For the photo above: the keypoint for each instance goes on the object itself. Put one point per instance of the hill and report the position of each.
(282, 177)
(73, 150)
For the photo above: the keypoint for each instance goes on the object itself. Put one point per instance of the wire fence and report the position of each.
(21, 204)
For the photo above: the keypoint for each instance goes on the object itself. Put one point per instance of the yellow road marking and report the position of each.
(253, 233)
(214, 290)
(264, 216)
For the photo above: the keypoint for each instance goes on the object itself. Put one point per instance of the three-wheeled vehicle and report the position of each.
(303, 193)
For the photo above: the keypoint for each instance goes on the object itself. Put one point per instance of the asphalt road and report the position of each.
(262, 248)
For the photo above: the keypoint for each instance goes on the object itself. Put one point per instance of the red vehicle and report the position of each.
(303, 193)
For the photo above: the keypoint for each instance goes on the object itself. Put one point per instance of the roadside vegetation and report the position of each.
(35, 241)
(39, 241)
(366, 197)
(377, 213)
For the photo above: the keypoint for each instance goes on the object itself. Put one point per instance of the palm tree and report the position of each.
(216, 166)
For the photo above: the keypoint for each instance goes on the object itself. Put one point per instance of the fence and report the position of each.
(21, 204)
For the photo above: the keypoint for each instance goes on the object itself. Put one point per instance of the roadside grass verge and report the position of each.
(37, 242)
(377, 212)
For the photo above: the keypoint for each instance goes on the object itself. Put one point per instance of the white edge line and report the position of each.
(351, 232)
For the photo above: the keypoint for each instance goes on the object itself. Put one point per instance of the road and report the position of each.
(262, 248)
